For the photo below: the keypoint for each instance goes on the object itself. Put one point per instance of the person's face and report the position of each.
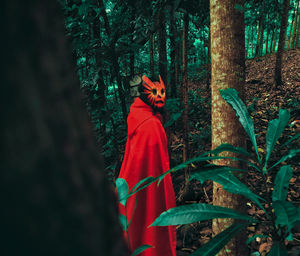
(155, 92)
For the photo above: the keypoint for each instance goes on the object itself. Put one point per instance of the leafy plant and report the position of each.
(283, 214)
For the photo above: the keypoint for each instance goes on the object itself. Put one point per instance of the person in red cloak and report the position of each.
(146, 154)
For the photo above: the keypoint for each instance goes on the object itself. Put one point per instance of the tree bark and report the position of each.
(173, 84)
(184, 94)
(292, 45)
(282, 36)
(257, 48)
(57, 200)
(228, 70)
(151, 55)
(185, 86)
(162, 50)
(115, 63)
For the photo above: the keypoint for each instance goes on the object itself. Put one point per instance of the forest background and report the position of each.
(112, 42)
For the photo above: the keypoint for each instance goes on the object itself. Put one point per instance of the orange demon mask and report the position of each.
(154, 93)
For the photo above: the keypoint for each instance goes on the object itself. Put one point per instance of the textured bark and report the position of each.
(185, 87)
(292, 45)
(282, 36)
(114, 59)
(208, 71)
(267, 39)
(228, 70)
(173, 84)
(57, 198)
(257, 48)
(162, 49)
(151, 55)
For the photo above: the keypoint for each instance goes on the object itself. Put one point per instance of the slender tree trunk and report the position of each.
(173, 84)
(252, 42)
(185, 86)
(261, 39)
(282, 35)
(272, 41)
(115, 63)
(162, 50)
(228, 70)
(292, 45)
(297, 33)
(184, 93)
(151, 55)
(208, 72)
(289, 40)
(267, 38)
(257, 49)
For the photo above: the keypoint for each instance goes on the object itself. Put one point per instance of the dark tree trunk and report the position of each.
(162, 49)
(115, 63)
(173, 84)
(56, 199)
(185, 86)
(208, 75)
(184, 93)
(151, 55)
(282, 35)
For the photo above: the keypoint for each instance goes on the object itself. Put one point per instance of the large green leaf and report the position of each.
(122, 189)
(274, 131)
(286, 214)
(208, 174)
(145, 182)
(229, 182)
(212, 247)
(201, 158)
(229, 148)
(290, 140)
(291, 154)
(186, 214)
(141, 249)
(232, 98)
(278, 250)
(282, 181)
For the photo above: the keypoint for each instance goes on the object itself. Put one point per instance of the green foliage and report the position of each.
(219, 241)
(286, 214)
(231, 96)
(186, 214)
(141, 249)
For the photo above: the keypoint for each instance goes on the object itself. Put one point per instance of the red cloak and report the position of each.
(146, 154)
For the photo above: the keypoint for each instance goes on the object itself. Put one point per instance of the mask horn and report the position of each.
(147, 81)
(161, 81)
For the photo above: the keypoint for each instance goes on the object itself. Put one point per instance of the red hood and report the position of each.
(139, 113)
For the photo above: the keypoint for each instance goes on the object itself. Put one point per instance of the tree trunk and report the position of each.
(297, 34)
(185, 86)
(272, 41)
(208, 72)
(55, 195)
(291, 30)
(162, 50)
(173, 84)
(184, 93)
(267, 38)
(228, 70)
(252, 42)
(151, 55)
(115, 63)
(257, 49)
(277, 75)
(292, 45)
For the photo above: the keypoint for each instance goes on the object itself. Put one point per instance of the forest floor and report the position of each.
(263, 101)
